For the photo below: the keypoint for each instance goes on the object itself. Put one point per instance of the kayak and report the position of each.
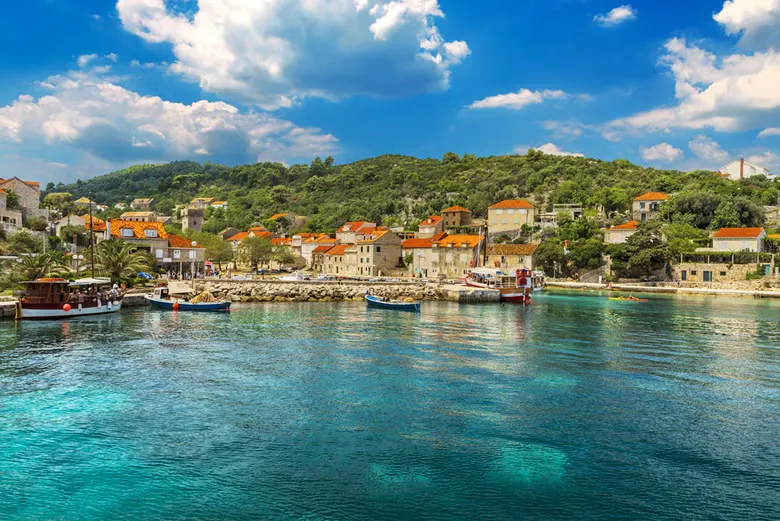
(388, 304)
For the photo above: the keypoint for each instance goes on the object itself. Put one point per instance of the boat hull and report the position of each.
(397, 306)
(188, 306)
(75, 312)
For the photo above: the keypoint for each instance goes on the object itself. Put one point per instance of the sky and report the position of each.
(92, 86)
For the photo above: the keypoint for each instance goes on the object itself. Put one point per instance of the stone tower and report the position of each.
(192, 219)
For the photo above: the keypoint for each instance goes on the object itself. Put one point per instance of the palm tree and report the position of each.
(119, 259)
(31, 267)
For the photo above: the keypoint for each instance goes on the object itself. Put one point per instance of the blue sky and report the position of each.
(90, 86)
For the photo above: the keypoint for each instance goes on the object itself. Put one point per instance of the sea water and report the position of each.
(574, 408)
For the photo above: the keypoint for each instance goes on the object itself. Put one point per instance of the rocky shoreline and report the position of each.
(278, 291)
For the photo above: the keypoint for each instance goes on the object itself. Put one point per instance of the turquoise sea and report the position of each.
(575, 408)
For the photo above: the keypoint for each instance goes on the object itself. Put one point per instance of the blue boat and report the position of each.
(377, 302)
(161, 299)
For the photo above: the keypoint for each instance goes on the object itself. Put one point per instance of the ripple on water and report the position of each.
(530, 464)
(399, 475)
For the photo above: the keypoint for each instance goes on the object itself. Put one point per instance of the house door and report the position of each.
(684, 274)
(707, 276)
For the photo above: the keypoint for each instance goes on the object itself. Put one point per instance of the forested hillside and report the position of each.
(403, 190)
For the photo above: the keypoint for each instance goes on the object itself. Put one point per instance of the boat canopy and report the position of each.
(487, 272)
(90, 282)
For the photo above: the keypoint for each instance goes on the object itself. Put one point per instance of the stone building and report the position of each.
(511, 256)
(141, 217)
(648, 206)
(192, 218)
(430, 227)
(10, 220)
(378, 254)
(29, 194)
(620, 233)
(455, 217)
(142, 203)
(510, 216)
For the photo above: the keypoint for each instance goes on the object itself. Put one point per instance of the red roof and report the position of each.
(2, 191)
(338, 249)
(352, 226)
(439, 236)
(511, 204)
(737, 233)
(457, 241)
(453, 209)
(630, 225)
(322, 249)
(653, 196)
(281, 241)
(98, 225)
(278, 216)
(139, 228)
(177, 241)
(409, 244)
(240, 236)
(433, 220)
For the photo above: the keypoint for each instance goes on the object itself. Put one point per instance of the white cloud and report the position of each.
(757, 21)
(274, 53)
(548, 148)
(661, 152)
(518, 100)
(706, 148)
(767, 159)
(616, 16)
(772, 131)
(732, 93)
(91, 113)
(85, 59)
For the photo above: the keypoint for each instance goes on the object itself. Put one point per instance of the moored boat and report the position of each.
(514, 286)
(399, 305)
(57, 298)
(161, 299)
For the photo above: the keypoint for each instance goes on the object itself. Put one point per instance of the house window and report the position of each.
(694, 273)
(722, 273)
(510, 212)
(684, 274)
(158, 254)
(193, 254)
(644, 216)
(499, 212)
(707, 276)
(150, 233)
(642, 206)
(127, 232)
(378, 249)
(177, 254)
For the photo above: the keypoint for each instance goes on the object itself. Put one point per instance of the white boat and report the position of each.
(514, 285)
(56, 298)
(298, 276)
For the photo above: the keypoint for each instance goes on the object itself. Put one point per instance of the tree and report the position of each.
(726, 216)
(120, 260)
(587, 253)
(255, 251)
(11, 200)
(24, 242)
(683, 238)
(284, 256)
(31, 267)
(643, 253)
(450, 158)
(551, 257)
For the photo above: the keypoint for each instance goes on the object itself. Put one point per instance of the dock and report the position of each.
(469, 295)
(7, 310)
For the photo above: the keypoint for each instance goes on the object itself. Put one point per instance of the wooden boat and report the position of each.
(517, 286)
(378, 302)
(161, 299)
(628, 299)
(57, 298)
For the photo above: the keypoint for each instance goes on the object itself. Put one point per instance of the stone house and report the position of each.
(430, 227)
(68, 220)
(10, 220)
(511, 256)
(318, 258)
(29, 194)
(142, 204)
(739, 239)
(510, 216)
(420, 250)
(192, 218)
(378, 254)
(171, 252)
(452, 255)
(716, 272)
(305, 243)
(620, 233)
(227, 233)
(140, 217)
(335, 260)
(201, 202)
(648, 206)
(348, 232)
(455, 217)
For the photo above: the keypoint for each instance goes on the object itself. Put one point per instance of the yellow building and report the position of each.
(510, 216)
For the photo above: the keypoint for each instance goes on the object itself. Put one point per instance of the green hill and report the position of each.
(399, 189)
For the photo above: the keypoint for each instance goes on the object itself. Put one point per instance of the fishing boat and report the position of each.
(398, 305)
(57, 298)
(162, 299)
(629, 299)
(514, 286)
(298, 276)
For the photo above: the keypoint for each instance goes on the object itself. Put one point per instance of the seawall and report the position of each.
(672, 290)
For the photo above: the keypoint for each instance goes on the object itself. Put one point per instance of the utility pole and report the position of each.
(91, 236)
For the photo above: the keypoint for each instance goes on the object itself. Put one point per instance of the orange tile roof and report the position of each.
(511, 204)
(439, 236)
(281, 241)
(737, 233)
(352, 226)
(374, 236)
(307, 235)
(457, 241)
(136, 214)
(653, 196)
(263, 235)
(326, 239)
(511, 249)
(278, 216)
(177, 241)
(452, 209)
(99, 225)
(338, 249)
(257, 229)
(34, 184)
(775, 236)
(630, 225)
(433, 220)
(2, 191)
(322, 249)
(215, 203)
(410, 244)
(139, 227)
(240, 236)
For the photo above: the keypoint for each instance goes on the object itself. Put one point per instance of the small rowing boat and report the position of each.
(628, 299)
(405, 305)
(161, 299)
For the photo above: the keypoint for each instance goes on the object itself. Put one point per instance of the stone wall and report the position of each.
(277, 291)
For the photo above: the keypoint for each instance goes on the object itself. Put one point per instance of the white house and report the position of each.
(739, 239)
(620, 233)
(741, 169)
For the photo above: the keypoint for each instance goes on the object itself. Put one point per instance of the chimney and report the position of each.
(741, 168)
(108, 229)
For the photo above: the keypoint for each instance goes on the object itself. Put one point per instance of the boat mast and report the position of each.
(91, 236)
